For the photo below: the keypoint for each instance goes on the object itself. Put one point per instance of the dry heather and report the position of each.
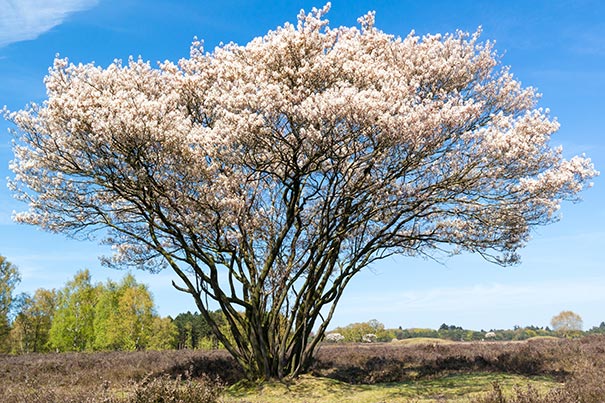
(367, 364)
(188, 376)
(184, 376)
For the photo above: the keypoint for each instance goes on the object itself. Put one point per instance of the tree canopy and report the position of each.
(9, 278)
(30, 331)
(567, 322)
(72, 327)
(267, 175)
(82, 316)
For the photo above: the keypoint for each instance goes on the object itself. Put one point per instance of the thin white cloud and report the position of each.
(478, 306)
(22, 20)
(485, 296)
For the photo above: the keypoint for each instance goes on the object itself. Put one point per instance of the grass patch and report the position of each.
(540, 338)
(421, 340)
(453, 388)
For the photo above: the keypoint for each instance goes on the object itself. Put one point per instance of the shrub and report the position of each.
(369, 338)
(334, 338)
(164, 389)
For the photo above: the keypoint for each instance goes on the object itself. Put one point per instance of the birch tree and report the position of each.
(31, 327)
(267, 175)
(124, 316)
(72, 327)
(9, 278)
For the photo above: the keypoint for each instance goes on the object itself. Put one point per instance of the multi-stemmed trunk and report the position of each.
(267, 175)
(272, 336)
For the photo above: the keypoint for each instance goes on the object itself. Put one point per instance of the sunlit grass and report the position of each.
(541, 338)
(454, 388)
(421, 340)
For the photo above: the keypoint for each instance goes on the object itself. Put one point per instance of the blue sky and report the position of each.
(556, 46)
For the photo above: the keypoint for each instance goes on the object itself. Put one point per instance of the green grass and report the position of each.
(454, 388)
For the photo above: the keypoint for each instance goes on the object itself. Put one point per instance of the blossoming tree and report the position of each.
(267, 175)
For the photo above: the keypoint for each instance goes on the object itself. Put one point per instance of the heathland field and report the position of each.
(534, 371)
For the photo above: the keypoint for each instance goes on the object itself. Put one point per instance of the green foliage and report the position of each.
(193, 331)
(73, 325)
(163, 334)
(9, 278)
(106, 318)
(31, 328)
(445, 332)
(123, 316)
(457, 333)
(355, 332)
(597, 329)
(416, 332)
(110, 316)
(83, 316)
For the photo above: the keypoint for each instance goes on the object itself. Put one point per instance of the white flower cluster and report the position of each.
(334, 338)
(369, 338)
(305, 135)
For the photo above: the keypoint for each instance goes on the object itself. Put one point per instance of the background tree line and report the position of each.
(565, 324)
(87, 316)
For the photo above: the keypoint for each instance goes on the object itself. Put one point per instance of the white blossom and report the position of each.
(294, 161)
